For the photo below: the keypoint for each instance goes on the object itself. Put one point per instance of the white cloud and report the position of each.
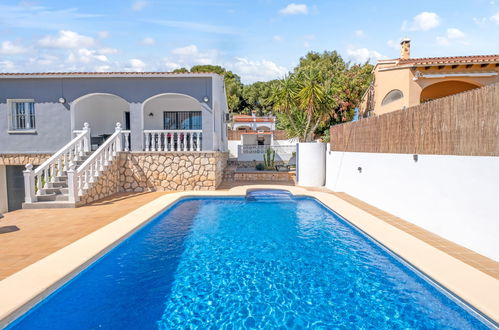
(422, 22)
(102, 68)
(189, 56)
(103, 34)
(360, 33)
(495, 18)
(442, 41)
(170, 66)
(187, 50)
(362, 55)
(453, 33)
(393, 44)
(42, 18)
(294, 9)
(7, 66)
(44, 60)
(67, 39)
(148, 41)
(139, 5)
(306, 44)
(251, 71)
(196, 26)
(9, 48)
(86, 56)
(481, 21)
(108, 51)
(135, 65)
(277, 38)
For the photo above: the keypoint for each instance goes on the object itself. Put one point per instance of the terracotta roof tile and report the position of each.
(479, 59)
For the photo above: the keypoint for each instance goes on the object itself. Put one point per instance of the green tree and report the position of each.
(325, 88)
(233, 85)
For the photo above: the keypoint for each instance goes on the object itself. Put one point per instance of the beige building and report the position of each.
(405, 81)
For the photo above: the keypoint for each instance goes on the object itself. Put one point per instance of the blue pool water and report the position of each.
(249, 263)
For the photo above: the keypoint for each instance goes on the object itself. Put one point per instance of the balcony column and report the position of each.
(136, 127)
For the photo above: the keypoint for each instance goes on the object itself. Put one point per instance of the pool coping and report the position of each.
(24, 289)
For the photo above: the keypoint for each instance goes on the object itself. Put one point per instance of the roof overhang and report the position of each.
(59, 75)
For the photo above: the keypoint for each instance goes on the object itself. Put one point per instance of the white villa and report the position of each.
(69, 131)
(251, 136)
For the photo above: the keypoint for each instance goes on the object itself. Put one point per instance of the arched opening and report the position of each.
(172, 122)
(172, 112)
(392, 96)
(102, 112)
(445, 88)
(262, 128)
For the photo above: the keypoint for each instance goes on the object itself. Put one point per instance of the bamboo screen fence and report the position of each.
(461, 124)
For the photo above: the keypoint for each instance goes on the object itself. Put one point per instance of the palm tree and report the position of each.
(313, 99)
(283, 96)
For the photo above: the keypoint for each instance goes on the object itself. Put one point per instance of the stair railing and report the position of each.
(45, 174)
(82, 178)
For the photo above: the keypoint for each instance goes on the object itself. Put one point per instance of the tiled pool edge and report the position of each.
(25, 288)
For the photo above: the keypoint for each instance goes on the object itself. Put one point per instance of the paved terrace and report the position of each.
(27, 236)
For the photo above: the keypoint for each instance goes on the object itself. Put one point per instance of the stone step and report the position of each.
(46, 197)
(57, 185)
(49, 205)
(57, 191)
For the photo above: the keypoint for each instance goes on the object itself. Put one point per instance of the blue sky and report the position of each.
(259, 39)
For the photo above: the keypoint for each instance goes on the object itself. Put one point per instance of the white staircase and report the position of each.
(66, 176)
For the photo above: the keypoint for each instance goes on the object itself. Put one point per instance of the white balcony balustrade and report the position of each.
(173, 140)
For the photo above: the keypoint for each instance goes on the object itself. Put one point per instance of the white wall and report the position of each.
(289, 142)
(455, 197)
(233, 148)
(102, 112)
(3, 189)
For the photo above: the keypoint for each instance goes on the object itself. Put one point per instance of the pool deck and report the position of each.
(32, 241)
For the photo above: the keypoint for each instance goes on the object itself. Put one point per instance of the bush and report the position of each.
(259, 167)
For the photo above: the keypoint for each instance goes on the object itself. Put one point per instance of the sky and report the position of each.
(259, 40)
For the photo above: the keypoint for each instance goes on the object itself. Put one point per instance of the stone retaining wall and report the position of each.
(23, 159)
(107, 184)
(171, 171)
(159, 171)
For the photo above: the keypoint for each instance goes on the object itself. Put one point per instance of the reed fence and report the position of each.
(461, 124)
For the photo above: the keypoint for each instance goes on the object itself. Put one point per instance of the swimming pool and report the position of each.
(256, 262)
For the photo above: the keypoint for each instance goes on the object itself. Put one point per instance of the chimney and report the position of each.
(253, 114)
(405, 48)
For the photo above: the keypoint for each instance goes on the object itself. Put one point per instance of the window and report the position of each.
(22, 114)
(184, 120)
(392, 96)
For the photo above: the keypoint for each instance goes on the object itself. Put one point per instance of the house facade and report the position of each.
(405, 82)
(250, 137)
(75, 115)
